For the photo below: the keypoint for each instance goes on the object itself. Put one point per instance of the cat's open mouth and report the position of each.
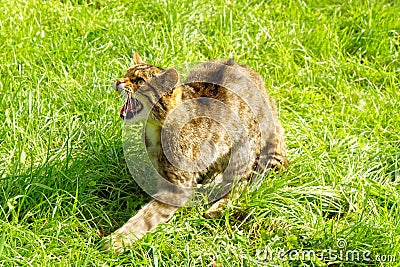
(131, 108)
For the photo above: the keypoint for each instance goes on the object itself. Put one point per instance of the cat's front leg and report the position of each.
(145, 220)
(159, 210)
(217, 208)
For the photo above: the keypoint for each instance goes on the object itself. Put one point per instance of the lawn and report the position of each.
(332, 66)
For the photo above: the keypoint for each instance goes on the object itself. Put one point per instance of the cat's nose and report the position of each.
(118, 82)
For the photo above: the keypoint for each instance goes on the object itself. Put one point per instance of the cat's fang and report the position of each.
(131, 108)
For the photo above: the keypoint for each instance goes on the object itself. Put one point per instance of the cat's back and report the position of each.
(214, 117)
(235, 102)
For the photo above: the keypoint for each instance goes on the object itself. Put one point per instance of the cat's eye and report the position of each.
(138, 81)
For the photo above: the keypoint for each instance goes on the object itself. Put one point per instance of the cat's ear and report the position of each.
(166, 80)
(137, 59)
(172, 76)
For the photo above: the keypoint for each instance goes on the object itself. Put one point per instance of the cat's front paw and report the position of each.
(213, 214)
(118, 243)
(217, 209)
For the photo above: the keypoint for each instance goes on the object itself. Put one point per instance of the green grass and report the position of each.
(332, 66)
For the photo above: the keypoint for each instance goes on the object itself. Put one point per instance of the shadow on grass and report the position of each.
(91, 187)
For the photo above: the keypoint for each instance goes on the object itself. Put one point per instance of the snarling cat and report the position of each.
(218, 126)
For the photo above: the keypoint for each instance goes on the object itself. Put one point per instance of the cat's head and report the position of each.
(143, 85)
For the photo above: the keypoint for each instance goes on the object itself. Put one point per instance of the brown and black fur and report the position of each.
(151, 86)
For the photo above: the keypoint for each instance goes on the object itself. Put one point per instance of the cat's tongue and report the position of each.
(127, 107)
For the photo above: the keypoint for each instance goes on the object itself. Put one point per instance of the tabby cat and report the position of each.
(204, 144)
